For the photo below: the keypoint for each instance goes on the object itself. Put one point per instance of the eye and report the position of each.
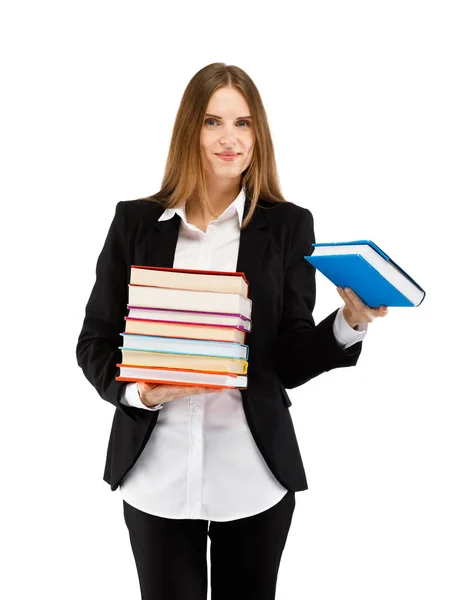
(207, 121)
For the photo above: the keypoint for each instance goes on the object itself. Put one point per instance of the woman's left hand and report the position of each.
(355, 311)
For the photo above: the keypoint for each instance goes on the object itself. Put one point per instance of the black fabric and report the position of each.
(286, 348)
(245, 554)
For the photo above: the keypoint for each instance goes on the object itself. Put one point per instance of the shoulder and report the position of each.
(140, 207)
(291, 227)
(142, 210)
(286, 214)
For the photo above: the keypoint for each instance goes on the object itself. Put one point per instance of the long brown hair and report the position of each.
(184, 178)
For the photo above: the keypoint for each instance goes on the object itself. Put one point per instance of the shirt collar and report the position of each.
(237, 204)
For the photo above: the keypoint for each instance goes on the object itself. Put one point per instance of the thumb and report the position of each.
(148, 385)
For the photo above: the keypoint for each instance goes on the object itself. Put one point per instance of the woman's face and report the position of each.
(227, 128)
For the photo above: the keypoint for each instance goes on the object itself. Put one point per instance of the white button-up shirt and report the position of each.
(201, 461)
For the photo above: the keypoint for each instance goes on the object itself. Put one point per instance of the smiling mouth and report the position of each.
(228, 157)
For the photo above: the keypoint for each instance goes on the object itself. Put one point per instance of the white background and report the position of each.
(360, 97)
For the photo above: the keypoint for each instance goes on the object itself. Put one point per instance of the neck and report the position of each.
(220, 197)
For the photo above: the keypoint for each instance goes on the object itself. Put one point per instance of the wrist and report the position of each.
(351, 323)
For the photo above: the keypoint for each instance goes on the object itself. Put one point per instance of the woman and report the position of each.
(191, 462)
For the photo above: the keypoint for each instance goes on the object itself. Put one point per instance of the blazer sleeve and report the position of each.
(304, 350)
(97, 349)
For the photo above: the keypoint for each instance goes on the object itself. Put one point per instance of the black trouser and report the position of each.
(170, 554)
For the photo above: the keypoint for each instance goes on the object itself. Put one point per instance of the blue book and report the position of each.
(169, 345)
(362, 266)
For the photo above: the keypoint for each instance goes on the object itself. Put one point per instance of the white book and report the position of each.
(171, 376)
(170, 298)
(146, 358)
(196, 317)
(186, 279)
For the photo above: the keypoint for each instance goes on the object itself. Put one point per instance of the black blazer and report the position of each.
(286, 349)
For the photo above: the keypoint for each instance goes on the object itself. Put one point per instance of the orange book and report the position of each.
(218, 333)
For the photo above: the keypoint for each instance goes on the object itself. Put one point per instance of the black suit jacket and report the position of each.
(286, 349)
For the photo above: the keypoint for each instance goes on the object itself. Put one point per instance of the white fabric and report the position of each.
(201, 461)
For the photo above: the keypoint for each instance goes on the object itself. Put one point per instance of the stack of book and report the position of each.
(186, 327)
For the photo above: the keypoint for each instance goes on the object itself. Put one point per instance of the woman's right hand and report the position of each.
(152, 394)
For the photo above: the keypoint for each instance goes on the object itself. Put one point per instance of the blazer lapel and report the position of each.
(162, 245)
(253, 241)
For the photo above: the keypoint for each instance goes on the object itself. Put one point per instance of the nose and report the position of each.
(228, 138)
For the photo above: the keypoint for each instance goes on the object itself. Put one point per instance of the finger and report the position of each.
(348, 300)
(340, 291)
(355, 300)
(186, 390)
(148, 385)
(381, 311)
(364, 312)
(358, 308)
(344, 294)
(360, 305)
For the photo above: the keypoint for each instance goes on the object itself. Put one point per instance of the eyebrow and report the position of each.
(216, 117)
